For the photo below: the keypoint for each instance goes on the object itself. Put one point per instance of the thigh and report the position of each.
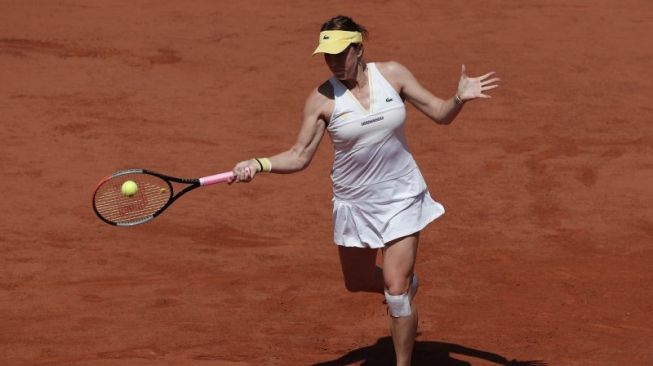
(358, 264)
(399, 262)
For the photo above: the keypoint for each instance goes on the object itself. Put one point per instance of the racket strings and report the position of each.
(152, 195)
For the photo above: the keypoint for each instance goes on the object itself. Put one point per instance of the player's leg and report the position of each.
(360, 270)
(398, 264)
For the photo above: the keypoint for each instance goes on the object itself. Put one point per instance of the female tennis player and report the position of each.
(380, 199)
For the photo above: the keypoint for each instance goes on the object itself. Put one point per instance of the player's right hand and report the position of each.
(245, 171)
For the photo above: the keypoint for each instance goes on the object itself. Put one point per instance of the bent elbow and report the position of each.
(303, 162)
(300, 159)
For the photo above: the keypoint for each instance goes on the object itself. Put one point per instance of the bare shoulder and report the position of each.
(392, 69)
(325, 90)
(396, 73)
(320, 101)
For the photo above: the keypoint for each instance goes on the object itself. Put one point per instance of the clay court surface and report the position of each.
(545, 252)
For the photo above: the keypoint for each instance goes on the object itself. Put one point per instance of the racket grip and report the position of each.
(217, 178)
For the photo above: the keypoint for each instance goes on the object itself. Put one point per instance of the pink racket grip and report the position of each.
(218, 178)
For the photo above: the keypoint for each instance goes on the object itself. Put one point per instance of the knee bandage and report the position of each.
(399, 305)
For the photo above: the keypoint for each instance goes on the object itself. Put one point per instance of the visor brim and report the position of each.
(332, 48)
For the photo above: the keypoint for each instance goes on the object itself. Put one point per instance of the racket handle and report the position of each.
(217, 178)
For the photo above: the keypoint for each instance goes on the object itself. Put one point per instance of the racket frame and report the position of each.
(191, 182)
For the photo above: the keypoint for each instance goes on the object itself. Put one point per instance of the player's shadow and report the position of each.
(426, 353)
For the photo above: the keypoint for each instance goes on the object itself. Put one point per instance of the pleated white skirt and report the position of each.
(371, 216)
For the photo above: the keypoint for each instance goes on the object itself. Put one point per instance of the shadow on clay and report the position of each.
(426, 353)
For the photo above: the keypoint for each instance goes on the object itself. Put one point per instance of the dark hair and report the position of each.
(344, 23)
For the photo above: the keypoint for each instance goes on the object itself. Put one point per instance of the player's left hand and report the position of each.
(472, 88)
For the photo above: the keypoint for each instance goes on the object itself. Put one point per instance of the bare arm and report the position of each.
(299, 156)
(437, 109)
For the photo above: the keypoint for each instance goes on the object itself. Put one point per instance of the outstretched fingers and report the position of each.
(486, 75)
(489, 87)
(474, 87)
(486, 82)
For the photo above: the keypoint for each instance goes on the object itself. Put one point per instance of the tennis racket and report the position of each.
(154, 194)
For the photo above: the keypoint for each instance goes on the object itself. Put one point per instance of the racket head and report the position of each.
(153, 196)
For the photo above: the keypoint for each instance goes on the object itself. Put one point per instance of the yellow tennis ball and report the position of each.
(129, 188)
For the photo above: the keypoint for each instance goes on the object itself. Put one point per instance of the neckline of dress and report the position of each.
(367, 110)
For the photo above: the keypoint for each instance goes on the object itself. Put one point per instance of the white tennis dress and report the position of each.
(379, 192)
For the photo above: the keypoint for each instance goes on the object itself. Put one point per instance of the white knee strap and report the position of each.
(399, 305)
